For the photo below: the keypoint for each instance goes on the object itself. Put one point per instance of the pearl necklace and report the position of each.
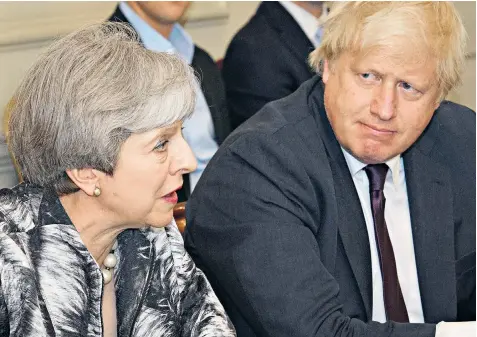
(109, 263)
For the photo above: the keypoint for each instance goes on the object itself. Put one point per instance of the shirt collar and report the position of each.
(307, 22)
(179, 41)
(355, 166)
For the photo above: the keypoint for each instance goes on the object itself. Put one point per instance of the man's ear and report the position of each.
(326, 71)
(439, 99)
(87, 179)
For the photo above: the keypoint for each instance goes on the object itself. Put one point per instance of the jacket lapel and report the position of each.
(430, 204)
(350, 219)
(353, 231)
(69, 278)
(132, 274)
(214, 92)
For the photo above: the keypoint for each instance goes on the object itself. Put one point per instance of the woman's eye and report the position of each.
(161, 145)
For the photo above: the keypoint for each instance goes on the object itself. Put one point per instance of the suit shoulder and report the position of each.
(258, 37)
(452, 133)
(256, 26)
(204, 65)
(457, 120)
(201, 55)
(255, 35)
(279, 117)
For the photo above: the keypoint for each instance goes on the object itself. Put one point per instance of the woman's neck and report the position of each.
(97, 231)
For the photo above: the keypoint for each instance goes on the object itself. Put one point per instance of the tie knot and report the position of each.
(377, 176)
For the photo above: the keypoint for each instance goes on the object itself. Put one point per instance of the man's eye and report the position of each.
(161, 145)
(406, 86)
(367, 76)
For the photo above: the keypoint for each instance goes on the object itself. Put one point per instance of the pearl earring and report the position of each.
(97, 192)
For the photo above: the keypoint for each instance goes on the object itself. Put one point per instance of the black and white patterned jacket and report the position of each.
(51, 286)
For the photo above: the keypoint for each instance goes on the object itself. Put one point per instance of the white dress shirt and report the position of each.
(308, 23)
(398, 221)
(199, 129)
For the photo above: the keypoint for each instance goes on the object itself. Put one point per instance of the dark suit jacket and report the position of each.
(214, 92)
(266, 60)
(277, 226)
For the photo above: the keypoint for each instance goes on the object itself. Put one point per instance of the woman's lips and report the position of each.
(171, 197)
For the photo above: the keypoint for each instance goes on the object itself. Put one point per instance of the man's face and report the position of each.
(377, 104)
(164, 12)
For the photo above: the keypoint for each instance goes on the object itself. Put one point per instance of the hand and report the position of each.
(451, 329)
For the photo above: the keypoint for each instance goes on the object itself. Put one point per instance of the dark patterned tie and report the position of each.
(393, 299)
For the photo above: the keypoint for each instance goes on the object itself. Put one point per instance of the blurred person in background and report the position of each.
(88, 243)
(348, 207)
(157, 24)
(268, 58)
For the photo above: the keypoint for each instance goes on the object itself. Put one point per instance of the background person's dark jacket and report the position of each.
(266, 60)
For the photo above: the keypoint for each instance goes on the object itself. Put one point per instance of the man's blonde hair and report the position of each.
(432, 27)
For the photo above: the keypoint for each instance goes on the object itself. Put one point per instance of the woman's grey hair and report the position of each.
(86, 95)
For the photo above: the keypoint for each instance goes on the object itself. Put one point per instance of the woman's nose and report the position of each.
(184, 160)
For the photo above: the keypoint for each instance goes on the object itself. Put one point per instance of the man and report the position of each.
(268, 58)
(349, 205)
(157, 26)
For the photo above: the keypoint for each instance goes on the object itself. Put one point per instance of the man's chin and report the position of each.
(370, 156)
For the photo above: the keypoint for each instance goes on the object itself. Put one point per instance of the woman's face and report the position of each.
(141, 192)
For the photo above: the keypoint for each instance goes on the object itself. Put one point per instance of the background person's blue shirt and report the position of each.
(199, 129)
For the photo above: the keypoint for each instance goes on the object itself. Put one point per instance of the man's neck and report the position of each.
(164, 29)
(315, 9)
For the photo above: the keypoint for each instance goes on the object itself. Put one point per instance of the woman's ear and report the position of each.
(87, 179)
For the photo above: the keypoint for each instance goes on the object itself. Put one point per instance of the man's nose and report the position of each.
(384, 101)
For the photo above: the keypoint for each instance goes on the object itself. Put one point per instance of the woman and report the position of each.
(88, 243)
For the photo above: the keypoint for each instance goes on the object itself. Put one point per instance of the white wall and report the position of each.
(27, 27)
(465, 94)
